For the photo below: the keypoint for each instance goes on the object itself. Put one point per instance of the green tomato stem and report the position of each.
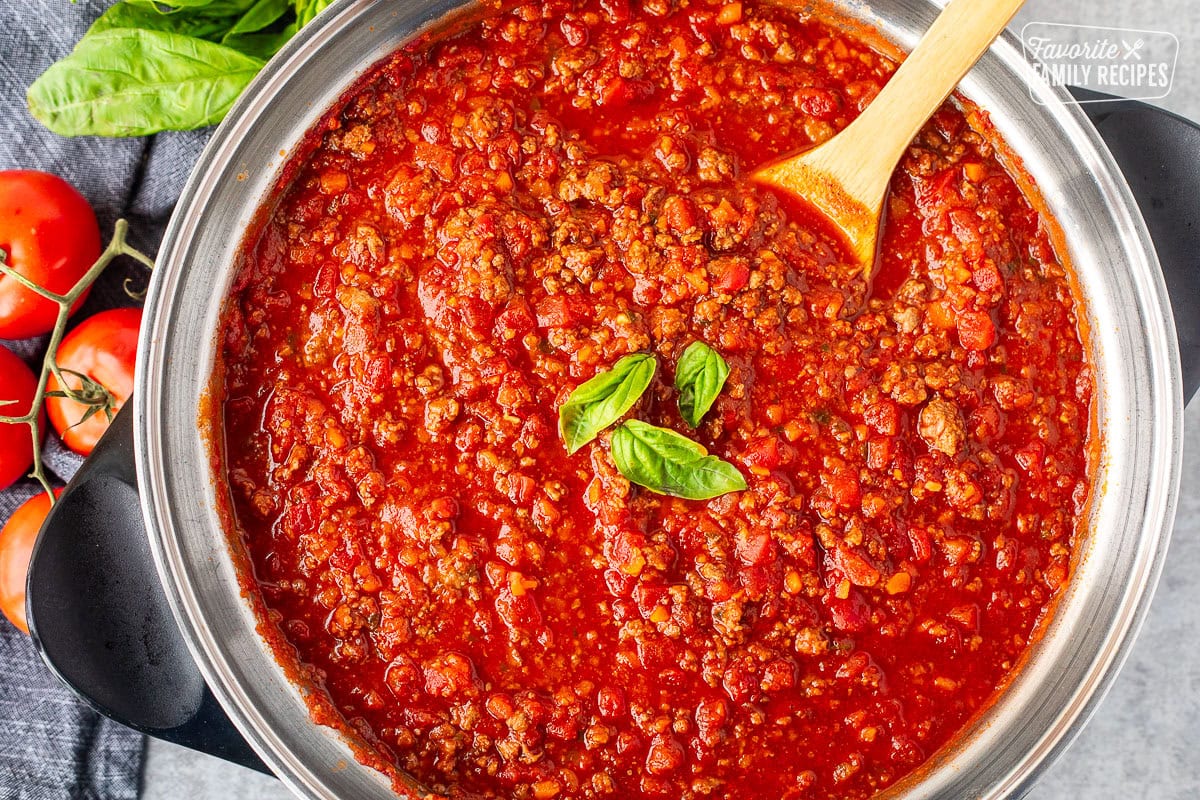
(117, 246)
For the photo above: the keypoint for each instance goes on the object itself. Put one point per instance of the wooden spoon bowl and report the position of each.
(846, 178)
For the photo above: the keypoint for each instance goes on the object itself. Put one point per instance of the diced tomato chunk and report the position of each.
(985, 422)
(883, 417)
(755, 548)
(730, 275)
(763, 453)
(1031, 457)
(850, 615)
(435, 157)
(976, 331)
(679, 213)
(610, 702)
(922, 545)
(879, 453)
(739, 681)
(966, 616)
(939, 190)
(858, 570)
(843, 488)
(555, 312)
(515, 320)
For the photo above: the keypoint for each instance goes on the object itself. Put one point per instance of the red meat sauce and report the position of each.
(493, 218)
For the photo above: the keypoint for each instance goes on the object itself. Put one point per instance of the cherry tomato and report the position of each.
(48, 233)
(104, 348)
(16, 546)
(17, 385)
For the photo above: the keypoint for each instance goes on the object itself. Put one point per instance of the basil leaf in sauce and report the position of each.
(133, 82)
(665, 462)
(601, 401)
(699, 377)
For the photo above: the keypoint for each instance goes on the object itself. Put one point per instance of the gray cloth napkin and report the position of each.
(51, 745)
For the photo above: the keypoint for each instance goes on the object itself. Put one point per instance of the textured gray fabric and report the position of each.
(51, 745)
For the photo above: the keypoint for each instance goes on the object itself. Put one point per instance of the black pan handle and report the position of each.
(98, 614)
(1159, 153)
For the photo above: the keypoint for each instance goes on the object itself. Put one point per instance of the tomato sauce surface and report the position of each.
(494, 217)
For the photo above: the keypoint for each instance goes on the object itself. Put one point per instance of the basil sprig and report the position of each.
(699, 376)
(665, 462)
(602, 401)
(126, 82)
(657, 458)
(152, 65)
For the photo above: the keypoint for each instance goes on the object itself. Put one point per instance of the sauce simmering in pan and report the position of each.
(491, 219)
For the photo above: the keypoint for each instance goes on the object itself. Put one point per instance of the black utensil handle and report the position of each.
(1159, 153)
(99, 616)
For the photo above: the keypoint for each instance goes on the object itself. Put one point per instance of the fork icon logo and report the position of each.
(1134, 50)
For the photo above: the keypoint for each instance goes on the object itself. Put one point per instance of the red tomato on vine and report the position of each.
(18, 387)
(16, 546)
(97, 359)
(48, 233)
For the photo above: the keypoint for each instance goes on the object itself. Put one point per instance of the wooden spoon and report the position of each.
(847, 177)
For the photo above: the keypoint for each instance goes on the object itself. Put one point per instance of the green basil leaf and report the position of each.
(127, 82)
(601, 401)
(198, 23)
(260, 45)
(307, 9)
(665, 462)
(260, 15)
(224, 7)
(699, 376)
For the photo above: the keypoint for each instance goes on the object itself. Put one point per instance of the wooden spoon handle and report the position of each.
(951, 46)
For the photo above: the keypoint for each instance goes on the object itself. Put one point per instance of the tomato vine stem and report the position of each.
(117, 246)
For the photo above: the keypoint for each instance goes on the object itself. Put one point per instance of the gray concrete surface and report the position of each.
(1143, 740)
